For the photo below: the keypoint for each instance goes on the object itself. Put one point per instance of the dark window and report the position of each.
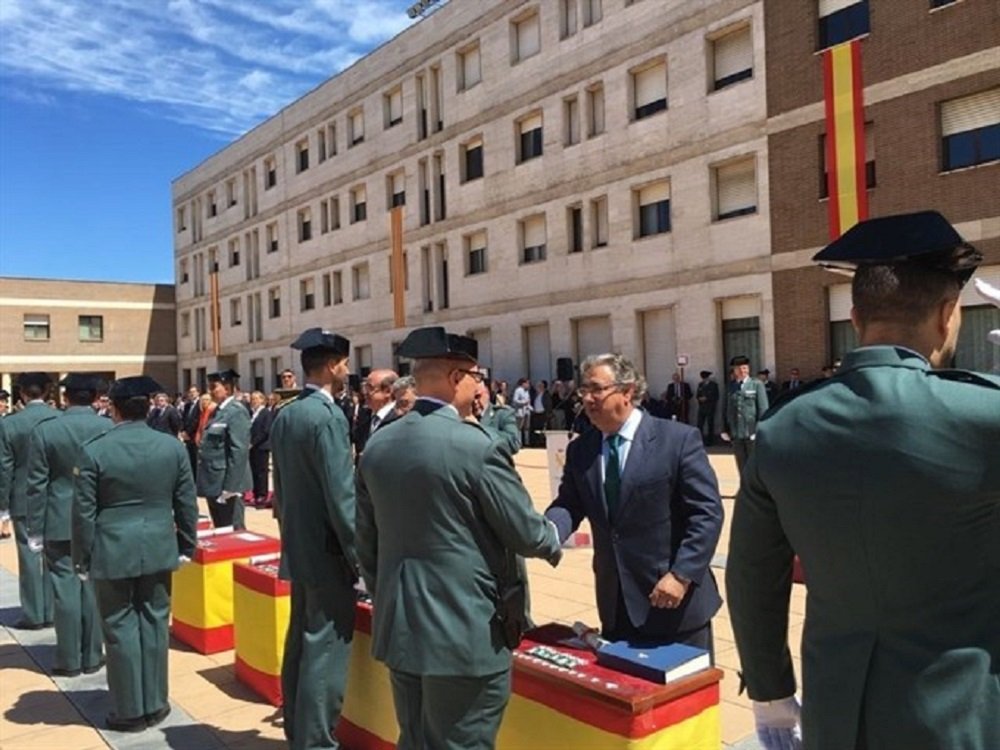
(308, 301)
(425, 209)
(533, 254)
(275, 307)
(646, 110)
(843, 338)
(531, 144)
(358, 139)
(654, 218)
(360, 211)
(303, 159)
(399, 199)
(442, 212)
(273, 247)
(305, 230)
(271, 179)
(477, 260)
(847, 23)
(213, 209)
(741, 336)
(732, 78)
(473, 163)
(971, 147)
(576, 230)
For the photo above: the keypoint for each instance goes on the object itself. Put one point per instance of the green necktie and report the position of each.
(613, 476)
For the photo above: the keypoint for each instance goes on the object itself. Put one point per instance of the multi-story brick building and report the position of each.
(931, 77)
(112, 329)
(577, 176)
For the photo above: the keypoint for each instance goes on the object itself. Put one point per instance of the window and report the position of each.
(326, 142)
(363, 358)
(574, 228)
(181, 220)
(653, 203)
(735, 189)
(841, 20)
(233, 251)
(231, 193)
(824, 188)
(732, 58)
(185, 324)
(271, 235)
(529, 137)
(475, 253)
(469, 67)
(36, 327)
(472, 159)
(599, 221)
(270, 172)
(360, 288)
(359, 209)
(305, 224)
(592, 12)
(526, 36)
(571, 121)
(532, 231)
(274, 302)
(649, 89)
(211, 207)
(329, 215)
(970, 130)
(567, 18)
(595, 110)
(338, 287)
(183, 273)
(307, 294)
(302, 156)
(356, 127)
(393, 103)
(406, 273)
(396, 187)
(91, 327)
(235, 312)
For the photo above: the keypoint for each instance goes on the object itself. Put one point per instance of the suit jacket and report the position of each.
(669, 518)
(885, 480)
(708, 390)
(314, 479)
(362, 428)
(135, 509)
(260, 430)
(746, 403)
(15, 442)
(428, 488)
(55, 444)
(189, 415)
(501, 421)
(167, 420)
(224, 453)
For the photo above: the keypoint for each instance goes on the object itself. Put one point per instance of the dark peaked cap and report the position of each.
(434, 342)
(82, 381)
(224, 376)
(318, 338)
(36, 379)
(739, 360)
(924, 238)
(133, 387)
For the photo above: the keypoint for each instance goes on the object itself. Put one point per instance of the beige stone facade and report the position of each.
(114, 329)
(631, 118)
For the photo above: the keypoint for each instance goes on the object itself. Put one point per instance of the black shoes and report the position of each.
(96, 668)
(157, 716)
(59, 672)
(25, 625)
(138, 724)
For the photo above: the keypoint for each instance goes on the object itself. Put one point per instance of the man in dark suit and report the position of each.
(190, 412)
(794, 382)
(678, 398)
(260, 446)
(654, 509)
(377, 390)
(707, 396)
(164, 417)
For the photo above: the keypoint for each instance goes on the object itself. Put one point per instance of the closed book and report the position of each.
(662, 664)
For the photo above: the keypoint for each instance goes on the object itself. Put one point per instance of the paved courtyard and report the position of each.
(211, 710)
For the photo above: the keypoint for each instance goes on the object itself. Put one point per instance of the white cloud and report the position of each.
(220, 65)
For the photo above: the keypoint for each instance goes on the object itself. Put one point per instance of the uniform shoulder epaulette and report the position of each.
(967, 376)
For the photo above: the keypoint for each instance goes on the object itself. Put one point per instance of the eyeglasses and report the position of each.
(479, 377)
(593, 389)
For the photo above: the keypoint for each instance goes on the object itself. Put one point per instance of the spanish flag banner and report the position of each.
(845, 136)
(397, 267)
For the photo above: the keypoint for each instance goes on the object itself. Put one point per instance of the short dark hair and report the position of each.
(80, 398)
(132, 409)
(33, 391)
(317, 358)
(902, 294)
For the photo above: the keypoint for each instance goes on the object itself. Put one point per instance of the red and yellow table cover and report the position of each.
(261, 609)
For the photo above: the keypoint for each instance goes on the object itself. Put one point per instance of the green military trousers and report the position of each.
(135, 615)
(34, 586)
(314, 667)
(449, 712)
(78, 626)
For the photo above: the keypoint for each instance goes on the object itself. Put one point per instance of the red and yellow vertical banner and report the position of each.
(845, 136)
(397, 267)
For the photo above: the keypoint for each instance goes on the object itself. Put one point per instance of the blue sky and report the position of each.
(104, 102)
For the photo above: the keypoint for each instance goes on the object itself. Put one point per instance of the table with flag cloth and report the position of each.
(202, 598)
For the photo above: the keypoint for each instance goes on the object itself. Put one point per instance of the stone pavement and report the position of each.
(211, 710)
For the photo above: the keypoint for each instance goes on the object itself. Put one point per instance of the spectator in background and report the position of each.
(678, 398)
(708, 399)
(541, 410)
(206, 406)
(164, 417)
(260, 448)
(404, 395)
(793, 383)
(521, 401)
(770, 388)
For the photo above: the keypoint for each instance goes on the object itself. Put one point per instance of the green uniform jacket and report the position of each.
(423, 485)
(15, 442)
(502, 421)
(745, 408)
(314, 477)
(135, 509)
(224, 454)
(885, 479)
(54, 448)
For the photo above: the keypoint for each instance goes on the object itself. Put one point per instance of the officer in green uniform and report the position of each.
(441, 511)
(134, 520)
(15, 442)
(885, 480)
(224, 453)
(498, 418)
(55, 444)
(746, 402)
(314, 475)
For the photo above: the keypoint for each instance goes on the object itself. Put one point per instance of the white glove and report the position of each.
(181, 559)
(725, 437)
(83, 576)
(778, 725)
(991, 293)
(35, 543)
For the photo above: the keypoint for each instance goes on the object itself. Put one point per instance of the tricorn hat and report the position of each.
(133, 387)
(434, 342)
(319, 338)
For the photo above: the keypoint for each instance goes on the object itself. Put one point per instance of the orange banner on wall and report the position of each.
(397, 267)
(845, 137)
